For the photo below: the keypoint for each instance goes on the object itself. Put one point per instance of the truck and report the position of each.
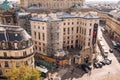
(104, 52)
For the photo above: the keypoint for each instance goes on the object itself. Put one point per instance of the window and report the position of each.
(3, 44)
(35, 34)
(72, 23)
(72, 28)
(35, 42)
(57, 35)
(43, 35)
(77, 29)
(77, 36)
(64, 29)
(24, 53)
(43, 27)
(38, 27)
(72, 41)
(43, 44)
(89, 31)
(16, 45)
(88, 43)
(39, 35)
(68, 42)
(68, 37)
(85, 32)
(68, 23)
(35, 47)
(6, 64)
(39, 43)
(44, 50)
(64, 23)
(68, 30)
(5, 54)
(39, 48)
(1, 72)
(80, 29)
(90, 24)
(16, 34)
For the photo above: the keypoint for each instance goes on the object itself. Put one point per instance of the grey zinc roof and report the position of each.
(78, 6)
(13, 33)
(37, 7)
(90, 16)
(63, 16)
(47, 18)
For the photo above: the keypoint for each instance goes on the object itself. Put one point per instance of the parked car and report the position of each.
(107, 61)
(103, 63)
(100, 64)
(111, 51)
(96, 65)
(86, 68)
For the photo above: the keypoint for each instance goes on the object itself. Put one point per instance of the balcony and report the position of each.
(13, 57)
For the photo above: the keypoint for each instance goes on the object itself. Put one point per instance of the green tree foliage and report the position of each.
(23, 73)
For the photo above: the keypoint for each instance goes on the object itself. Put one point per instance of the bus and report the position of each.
(43, 70)
(114, 44)
(103, 49)
(104, 52)
(100, 44)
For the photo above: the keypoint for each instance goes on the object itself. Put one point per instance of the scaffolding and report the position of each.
(53, 33)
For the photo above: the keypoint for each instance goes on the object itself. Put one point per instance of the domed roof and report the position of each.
(6, 5)
(11, 35)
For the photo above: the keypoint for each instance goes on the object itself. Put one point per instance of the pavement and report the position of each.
(107, 72)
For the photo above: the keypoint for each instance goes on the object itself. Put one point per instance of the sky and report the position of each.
(86, 0)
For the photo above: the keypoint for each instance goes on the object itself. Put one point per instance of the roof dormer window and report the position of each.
(16, 34)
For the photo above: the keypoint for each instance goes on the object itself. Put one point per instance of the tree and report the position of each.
(23, 73)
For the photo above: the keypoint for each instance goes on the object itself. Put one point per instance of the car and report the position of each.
(42, 66)
(102, 62)
(107, 61)
(86, 68)
(111, 51)
(96, 65)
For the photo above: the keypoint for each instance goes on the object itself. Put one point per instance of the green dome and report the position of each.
(6, 5)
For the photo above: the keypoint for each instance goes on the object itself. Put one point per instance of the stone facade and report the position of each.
(16, 48)
(51, 4)
(56, 31)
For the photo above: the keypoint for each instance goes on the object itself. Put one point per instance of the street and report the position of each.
(107, 72)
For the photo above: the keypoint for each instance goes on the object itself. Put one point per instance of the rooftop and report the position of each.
(13, 33)
(58, 16)
(6, 5)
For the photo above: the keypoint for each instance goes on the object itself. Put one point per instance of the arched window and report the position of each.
(3, 45)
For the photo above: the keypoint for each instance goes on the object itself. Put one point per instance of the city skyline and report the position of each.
(86, 0)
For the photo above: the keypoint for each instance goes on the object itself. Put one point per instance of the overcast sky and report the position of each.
(85, 0)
